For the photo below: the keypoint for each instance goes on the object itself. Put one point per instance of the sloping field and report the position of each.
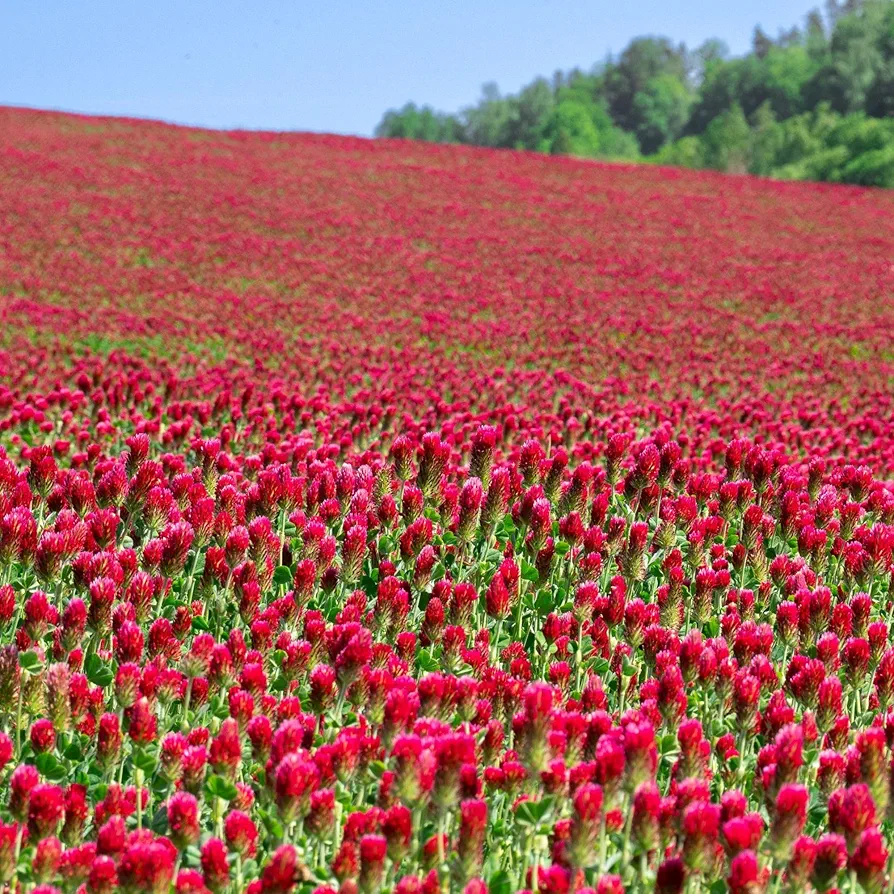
(449, 283)
(386, 516)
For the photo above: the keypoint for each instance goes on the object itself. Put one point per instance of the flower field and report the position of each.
(379, 516)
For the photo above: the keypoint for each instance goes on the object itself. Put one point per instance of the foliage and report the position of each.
(414, 123)
(678, 106)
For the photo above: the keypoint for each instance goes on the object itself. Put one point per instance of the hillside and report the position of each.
(511, 284)
(379, 516)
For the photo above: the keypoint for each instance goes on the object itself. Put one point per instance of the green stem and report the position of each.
(495, 644)
(580, 658)
(625, 845)
(535, 876)
(643, 871)
(282, 539)
(240, 884)
(521, 614)
(603, 845)
(192, 576)
(18, 850)
(219, 805)
(19, 715)
(442, 834)
(138, 778)
(185, 723)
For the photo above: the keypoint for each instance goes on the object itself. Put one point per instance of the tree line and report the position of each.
(815, 103)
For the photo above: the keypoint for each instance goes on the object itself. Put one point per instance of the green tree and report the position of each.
(618, 144)
(571, 130)
(490, 122)
(718, 92)
(855, 58)
(727, 142)
(816, 102)
(805, 135)
(766, 141)
(584, 91)
(415, 123)
(661, 110)
(711, 52)
(644, 60)
(761, 43)
(873, 168)
(783, 74)
(533, 108)
(880, 95)
(687, 152)
(816, 42)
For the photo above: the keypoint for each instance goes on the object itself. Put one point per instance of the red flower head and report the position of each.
(869, 860)
(746, 696)
(127, 684)
(47, 857)
(671, 876)
(640, 753)
(280, 875)
(215, 869)
(872, 749)
(43, 736)
(830, 772)
(483, 443)
(194, 766)
(645, 822)
(801, 864)
(225, 752)
(497, 499)
(142, 724)
(831, 857)
(789, 753)
(260, 734)
(432, 456)
(322, 687)
(353, 553)
(471, 498)
(111, 835)
(58, 689)
(789, 816)
(296, 778)
(147, 866)
(108, 742)
(397, 827)
(608, 884)
(856, 656)
(851, 812)
(829, 701)
(241, 833)
(21, 784)
(787, 623)
(745, 876)
(472, 832)
(76, 861)
(585, 825)
(76, 813)
(190, 881)
(701, 823)
(373, 849)
(103, 876)
(183, 820)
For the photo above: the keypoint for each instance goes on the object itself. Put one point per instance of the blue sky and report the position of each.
(328, 65)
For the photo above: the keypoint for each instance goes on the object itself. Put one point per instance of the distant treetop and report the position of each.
(816, 102)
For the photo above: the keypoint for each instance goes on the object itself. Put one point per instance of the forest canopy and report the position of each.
(816, 102)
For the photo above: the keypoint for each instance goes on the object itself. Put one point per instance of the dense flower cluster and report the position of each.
(418, 519)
